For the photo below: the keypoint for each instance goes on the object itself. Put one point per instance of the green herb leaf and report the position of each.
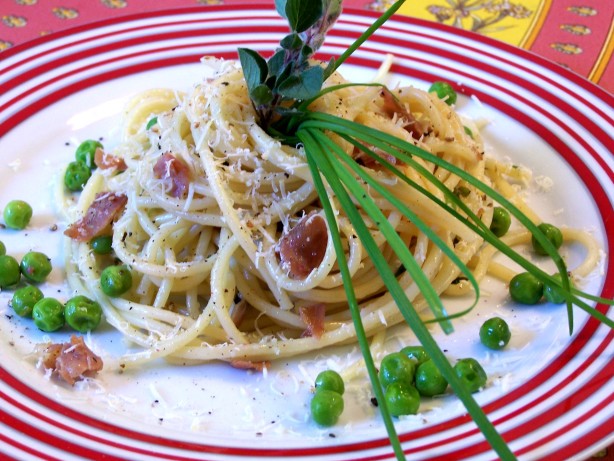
(280, 6)
(261, 95)
(302, 15)
(304, 85)
(291, 42)
(254, 66)
(318, 162)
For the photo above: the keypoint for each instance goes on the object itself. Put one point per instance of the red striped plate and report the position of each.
(549, 394)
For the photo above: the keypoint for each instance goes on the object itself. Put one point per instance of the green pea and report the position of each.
(35, 266)
(495, 333)
(17, 214)
(471, 374)
(2, 249)
(429, 380)
(416, 353)
(552, 233)
(525, 288)
(151, 122)
(326, 407)
(24, 300)
(82, 314)
(396, 367)
(444, 91)
(330, 380)
(102, 245)
(501, 221)
(86, 153)
(115, 280)
(402, 399)
(48, 314)
(76, 175)
(553, 293)
(9, 271)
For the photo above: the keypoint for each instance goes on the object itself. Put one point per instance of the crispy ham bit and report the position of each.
(393, 107)
(103, 210)
(250, 365)
(174, 173)
(71, 361)
(106, 161)
(302, 249)
(238, 312)
(313, 316)
(368, 161)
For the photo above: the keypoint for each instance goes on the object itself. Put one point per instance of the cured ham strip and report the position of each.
(174, 173)
(313, 316)
(370, 162)
(71, 361)
(302, 249)
(250, 365)
(106, 161)
(238, 312)
(103, 210)
(393, 107)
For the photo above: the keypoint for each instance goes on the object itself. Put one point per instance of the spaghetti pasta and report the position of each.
(211, 197)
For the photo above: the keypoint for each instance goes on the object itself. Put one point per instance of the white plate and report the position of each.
(548, 393)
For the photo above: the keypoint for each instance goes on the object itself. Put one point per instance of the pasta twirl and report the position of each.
(210, 282)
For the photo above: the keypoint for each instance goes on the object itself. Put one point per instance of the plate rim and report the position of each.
(162, 13)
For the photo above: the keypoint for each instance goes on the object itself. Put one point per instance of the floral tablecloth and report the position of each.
(577, 34)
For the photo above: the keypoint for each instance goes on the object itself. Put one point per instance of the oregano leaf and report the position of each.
(261, 95)
(291, 42)
(304, 85)
(302, 15)
(254, 66)
(280, 6)
(276, 63)
(306, 52)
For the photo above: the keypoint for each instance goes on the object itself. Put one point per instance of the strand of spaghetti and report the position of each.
(233, 221)
(222, 284)
(177, 342)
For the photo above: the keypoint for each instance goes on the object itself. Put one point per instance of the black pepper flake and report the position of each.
(53, 228)
(374, 401)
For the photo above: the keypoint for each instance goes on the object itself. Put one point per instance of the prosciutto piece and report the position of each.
(250, 365)
(174, 173)
(71, 361)
(103, 210)
(302, 249)
(313, 316)
(393, 107)
(106, 161)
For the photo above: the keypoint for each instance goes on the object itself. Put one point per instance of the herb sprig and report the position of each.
(288, 75)
(281, 90)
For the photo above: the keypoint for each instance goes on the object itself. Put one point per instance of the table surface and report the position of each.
(578, 35)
